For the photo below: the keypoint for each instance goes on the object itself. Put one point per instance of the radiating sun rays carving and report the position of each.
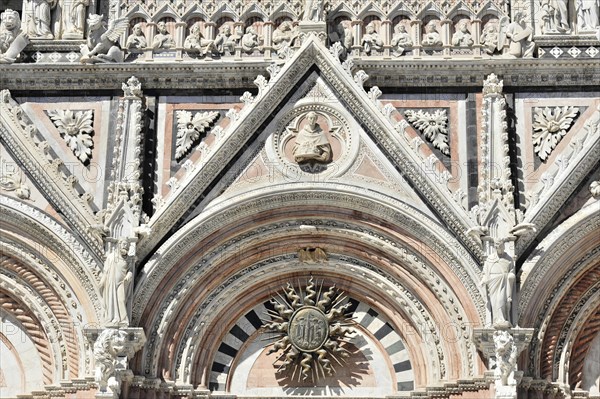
(311, 328)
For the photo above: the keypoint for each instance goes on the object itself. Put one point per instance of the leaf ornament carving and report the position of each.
(434, 127)
(189, 128)
(550, 125)
(76, 129)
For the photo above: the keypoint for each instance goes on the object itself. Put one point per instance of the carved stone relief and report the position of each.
(310, 329)
(433, 125)
(76, 129)
(12, 39)
(12, 179)
(550, 126)
(190, 128)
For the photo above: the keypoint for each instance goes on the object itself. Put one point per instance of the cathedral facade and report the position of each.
(311, 198)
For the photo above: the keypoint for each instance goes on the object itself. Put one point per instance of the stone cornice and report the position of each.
(583, 73)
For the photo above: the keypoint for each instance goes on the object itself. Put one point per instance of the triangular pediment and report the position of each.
(281, 106)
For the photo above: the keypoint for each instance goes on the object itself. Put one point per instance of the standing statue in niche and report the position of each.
(499, 281)
(519, 35)
(555, 16)
(588, 17)
(115, 285)
(312, 144)
(38, 17)
(12, 39)
(400, 40)
(73, 18)
(313, 11)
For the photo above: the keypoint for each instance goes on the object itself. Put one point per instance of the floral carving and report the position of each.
(76, 128)
(189, 129)
(550, 126)
(433, 125)
(13, 181)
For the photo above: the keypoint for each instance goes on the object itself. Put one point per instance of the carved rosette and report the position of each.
(311, 331)
(77, 130)
(550, 125)
(433, 125)
(190, 127)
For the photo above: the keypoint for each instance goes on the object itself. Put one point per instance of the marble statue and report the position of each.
(499, 280)
(103, 43)
(12, 39)
(38, 18)
(506, 359)
(284, 37)
(519, 35)
(73, 18)
(195, 41)
(489, 38)
(136, 40)
(587, 14)
(400, 40)
(432, 36)
(343, 34)
(462, 37)
(224, 42)
(115, 285)
(555, 15)
(371, 39)
(250, 40)
(313, 11)
(312, 144)
(163, 39)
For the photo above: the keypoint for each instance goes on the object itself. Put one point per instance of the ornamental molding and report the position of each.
(253, 115)
(76, 128)
(561, 240)
(34, 302)
(562, 179)
(24, 142)
(207, 313)
(226, 212)
(550, 125)
(83, 264)
(553, 299)
(165, 315)
(223, 74)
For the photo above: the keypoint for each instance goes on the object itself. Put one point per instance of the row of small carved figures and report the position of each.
(102, 41)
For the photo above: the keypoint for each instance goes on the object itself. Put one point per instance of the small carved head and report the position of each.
(196, 29)
(251, 30)
(400, 28)
(225, 29)
(162, 27)
(285, 26)
(94, 21)
(10, 20)
(431, 27)
(371, 27)
(462, 26)
(137, 29)
(312, 118)
(123, 246)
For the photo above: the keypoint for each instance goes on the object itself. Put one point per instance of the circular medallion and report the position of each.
(308, 329)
